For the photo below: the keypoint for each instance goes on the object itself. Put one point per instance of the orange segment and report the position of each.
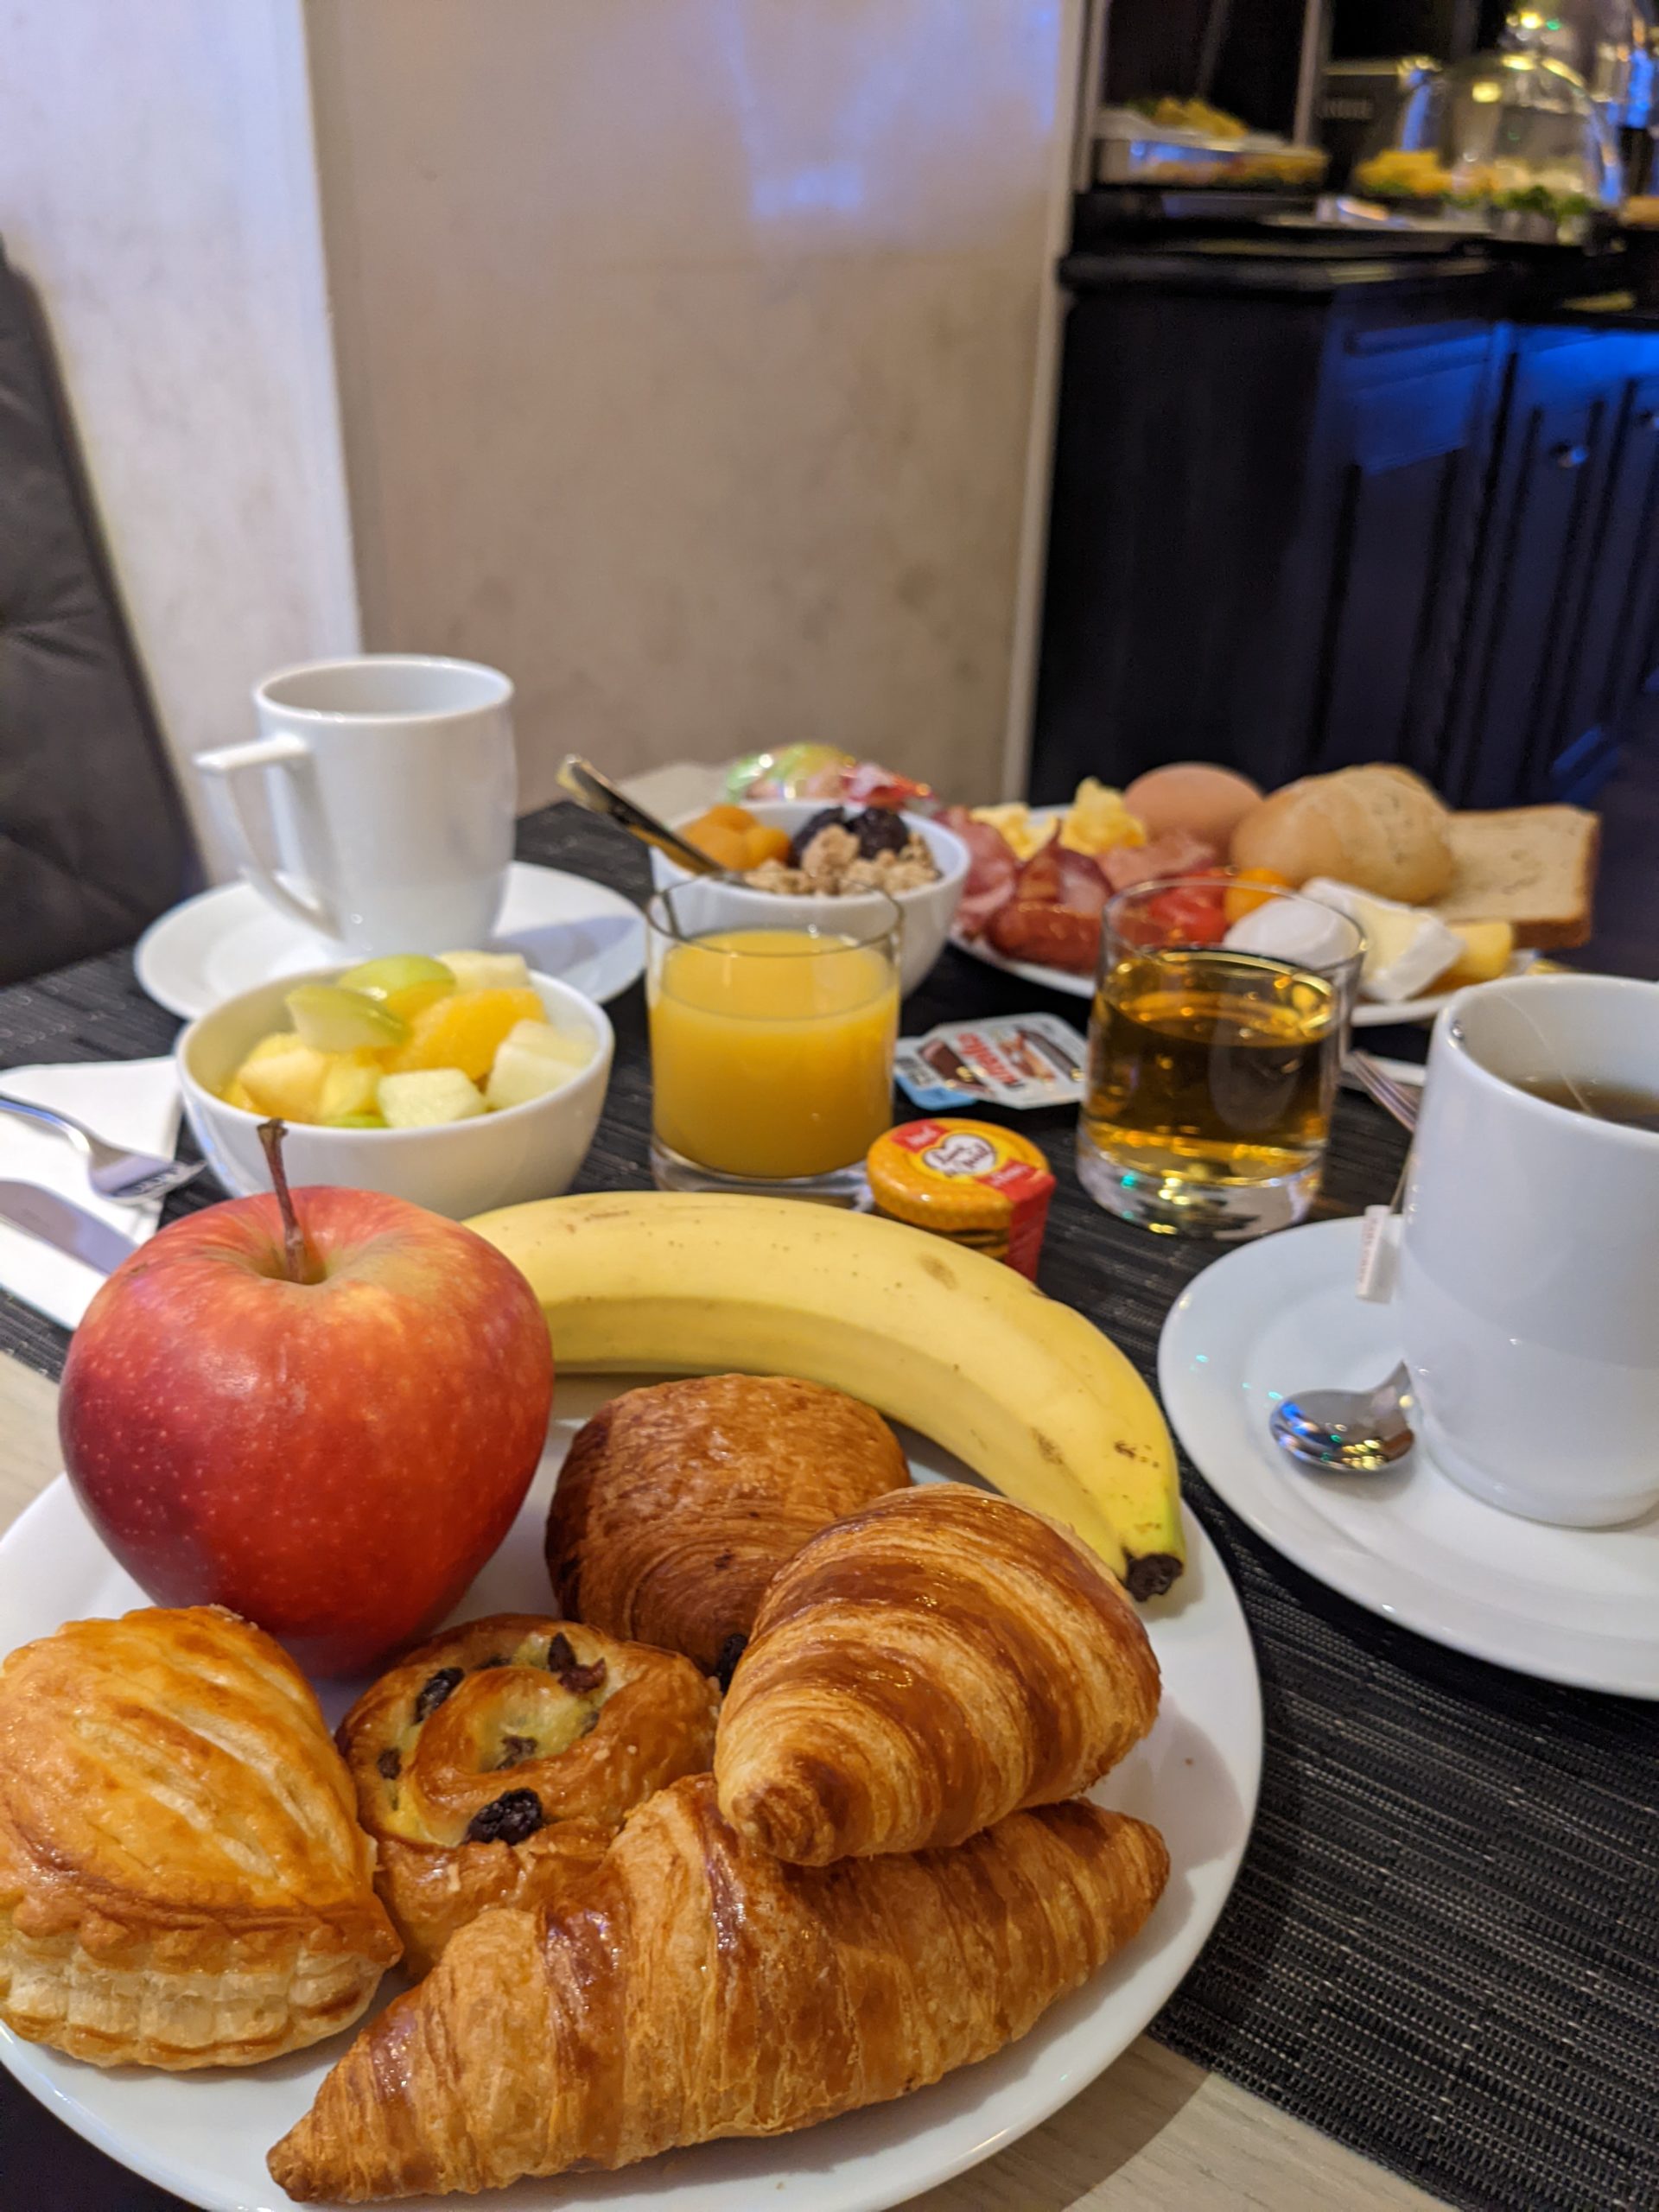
(463, 1031)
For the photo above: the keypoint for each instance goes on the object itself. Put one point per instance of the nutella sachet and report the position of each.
(1014, 1059)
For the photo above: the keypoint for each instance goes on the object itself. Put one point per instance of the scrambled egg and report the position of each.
(1095, 822)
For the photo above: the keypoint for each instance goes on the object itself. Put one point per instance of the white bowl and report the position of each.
(928, 912)
(530, 1150)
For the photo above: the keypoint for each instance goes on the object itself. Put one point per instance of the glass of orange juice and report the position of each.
(770, 1048)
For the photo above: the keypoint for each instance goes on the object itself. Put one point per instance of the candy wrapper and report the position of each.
(1018, 1059)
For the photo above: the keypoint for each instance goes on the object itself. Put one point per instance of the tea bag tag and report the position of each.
(1379, 1255)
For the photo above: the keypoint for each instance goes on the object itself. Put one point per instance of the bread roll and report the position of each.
(1379, 828)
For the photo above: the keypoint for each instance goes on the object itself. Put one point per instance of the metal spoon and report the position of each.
(579, 780)
(1347, 1432)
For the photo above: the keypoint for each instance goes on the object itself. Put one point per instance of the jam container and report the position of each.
(977, 1185)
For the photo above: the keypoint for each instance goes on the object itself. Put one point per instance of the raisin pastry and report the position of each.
(182, 1880)
(679, 1502)
(497, 1762)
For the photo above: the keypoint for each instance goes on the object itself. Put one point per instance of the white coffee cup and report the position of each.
(390, 783)
(1529, 1282)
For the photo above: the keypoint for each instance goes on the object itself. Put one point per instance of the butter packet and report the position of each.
(1016, 1059)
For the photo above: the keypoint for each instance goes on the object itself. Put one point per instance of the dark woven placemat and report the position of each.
(1443, 1949)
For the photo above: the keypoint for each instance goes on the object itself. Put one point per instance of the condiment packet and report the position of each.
(1016, 1059)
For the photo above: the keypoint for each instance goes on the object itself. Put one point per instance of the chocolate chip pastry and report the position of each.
(496, 1762)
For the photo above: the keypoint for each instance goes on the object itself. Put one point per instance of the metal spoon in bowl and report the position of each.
(579, 780)
(1347, 1432)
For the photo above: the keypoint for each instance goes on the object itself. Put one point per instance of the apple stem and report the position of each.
(297, 1256)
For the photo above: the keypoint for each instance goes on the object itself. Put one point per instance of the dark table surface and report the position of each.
(1443, 1947)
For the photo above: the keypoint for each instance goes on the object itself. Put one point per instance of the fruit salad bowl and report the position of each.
(458, 1167)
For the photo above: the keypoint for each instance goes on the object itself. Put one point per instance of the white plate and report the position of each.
(1370, 1013)
(205, 2136)
(228, 940)
(1578, 1606)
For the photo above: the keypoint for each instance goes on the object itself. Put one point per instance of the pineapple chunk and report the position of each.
(335, 1020)
(488, 971)
(351, 1086)
(426, 1096)
(1488, 948)
(236, 1094)
(533, 1058)
(288, 1084)
(463, 1031)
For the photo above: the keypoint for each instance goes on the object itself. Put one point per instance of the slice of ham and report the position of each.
(1057, 876)
(993, 869)
(1177, 853)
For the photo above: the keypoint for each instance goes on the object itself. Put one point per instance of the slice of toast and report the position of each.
(1533, 867)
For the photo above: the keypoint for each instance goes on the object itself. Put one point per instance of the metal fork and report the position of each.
(1393, 1097)
(131, 1179)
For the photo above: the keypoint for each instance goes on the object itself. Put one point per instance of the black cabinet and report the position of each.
(1263, 517)
(1294, 530)
(1613, 652)
(1536, 552)
(1402, 455)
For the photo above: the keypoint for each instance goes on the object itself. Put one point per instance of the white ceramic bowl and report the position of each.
(524, 1152)
(928, 912)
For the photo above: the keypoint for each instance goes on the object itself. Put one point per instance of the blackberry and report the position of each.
(827, 817)
(879, 830)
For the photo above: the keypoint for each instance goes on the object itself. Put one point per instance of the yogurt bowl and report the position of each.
(457, 1168)
(927, 912)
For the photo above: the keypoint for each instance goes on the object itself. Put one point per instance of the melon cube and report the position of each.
(279, 1041)
(288, 1084)
(403, 982)
(488, 971)
(351, 1085)
(534, 1059)
(424, 1098)
(463, 1031)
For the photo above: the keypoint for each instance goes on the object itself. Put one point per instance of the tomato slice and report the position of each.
(1187, 914)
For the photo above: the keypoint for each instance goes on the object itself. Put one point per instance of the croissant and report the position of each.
(495, 1763)
(925, 1668)
(182, 1883)
(700, 1989)
(677, 1503)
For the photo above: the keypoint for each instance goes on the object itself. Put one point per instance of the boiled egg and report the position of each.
(1205, 801)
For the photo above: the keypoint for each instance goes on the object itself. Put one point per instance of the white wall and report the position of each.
(688, 354)
(156, 183)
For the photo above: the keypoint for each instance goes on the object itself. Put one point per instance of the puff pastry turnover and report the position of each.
(182, 1880)
(679, 1502)
(497, 1762)
(926, 1666)
(697, 1988)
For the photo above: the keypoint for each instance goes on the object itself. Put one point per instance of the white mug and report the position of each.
(391, 784)
(1528, 1280)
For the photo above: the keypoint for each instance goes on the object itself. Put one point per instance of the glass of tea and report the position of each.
(1220, 1018)
(771, 1049)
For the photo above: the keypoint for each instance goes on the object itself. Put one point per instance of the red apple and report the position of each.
(332, 1457)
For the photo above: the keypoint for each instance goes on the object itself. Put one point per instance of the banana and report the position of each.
(1023, 1389)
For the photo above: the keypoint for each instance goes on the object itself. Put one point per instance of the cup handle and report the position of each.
(220, 771)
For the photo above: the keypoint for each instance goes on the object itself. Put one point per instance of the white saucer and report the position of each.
(205, 2136)
(1578, 1606)
(228, 940)
(1370, 1013)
